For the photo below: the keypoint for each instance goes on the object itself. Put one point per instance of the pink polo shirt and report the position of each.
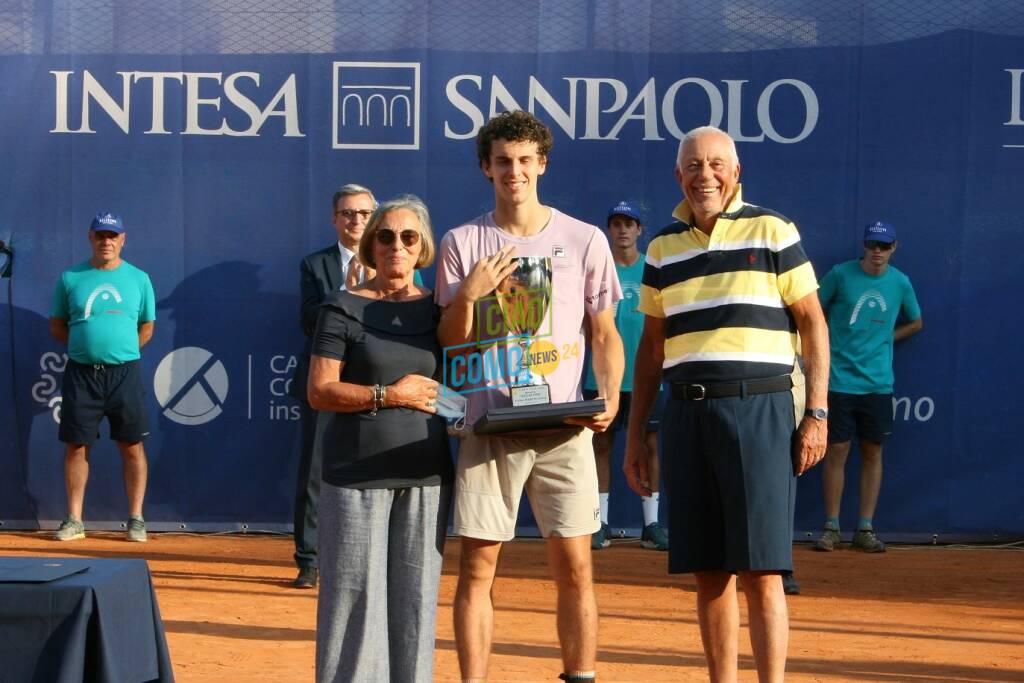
(583, 282)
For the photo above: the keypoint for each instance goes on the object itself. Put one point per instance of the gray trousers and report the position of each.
(380, 553)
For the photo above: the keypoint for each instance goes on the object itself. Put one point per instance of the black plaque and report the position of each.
(528, 418)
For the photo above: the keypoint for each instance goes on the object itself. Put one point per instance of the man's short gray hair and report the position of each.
(348, 191)
(700, 132)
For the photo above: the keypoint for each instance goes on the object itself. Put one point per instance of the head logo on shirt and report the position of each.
(872, 298)
(103, 292)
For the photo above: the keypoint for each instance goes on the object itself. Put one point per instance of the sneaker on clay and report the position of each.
(866, 541)
(829, 540)
(70, 529)
(601, 538)
(137, 529)
(654, 537)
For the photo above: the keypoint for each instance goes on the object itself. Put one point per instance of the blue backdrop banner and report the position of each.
(219, 131)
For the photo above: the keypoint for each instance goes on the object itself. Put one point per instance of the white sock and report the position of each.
(650, 505)
(604, 507)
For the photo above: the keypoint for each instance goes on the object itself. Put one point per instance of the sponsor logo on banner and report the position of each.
(909, 409)
(281, 405)
(191, 386)
(1016, 100)
(612, 109)
(379, 105)
(212, 99)
(44, 392)
(376, 105)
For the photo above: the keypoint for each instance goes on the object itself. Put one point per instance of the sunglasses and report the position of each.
(386, 237)
(352, 213)
(871, 245)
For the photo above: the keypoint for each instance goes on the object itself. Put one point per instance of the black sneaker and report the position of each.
(602, 538)
(307, 577)
(789, 584)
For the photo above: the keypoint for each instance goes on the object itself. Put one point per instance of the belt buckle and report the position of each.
(703, 392)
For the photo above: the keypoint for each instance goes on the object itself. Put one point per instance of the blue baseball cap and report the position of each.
(110, 222)
(624, 208)
(877, 231)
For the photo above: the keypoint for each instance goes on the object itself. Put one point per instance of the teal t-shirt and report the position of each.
(862, 313)
(628, 320)
(103, 309)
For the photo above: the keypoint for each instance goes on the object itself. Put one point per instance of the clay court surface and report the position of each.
(912, 614)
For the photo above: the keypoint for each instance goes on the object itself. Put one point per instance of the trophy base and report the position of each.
(527, 418)
(530, 395)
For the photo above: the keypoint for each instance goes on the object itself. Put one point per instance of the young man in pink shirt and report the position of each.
(555, 467)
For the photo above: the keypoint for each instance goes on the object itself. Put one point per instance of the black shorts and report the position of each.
(621, 420)
(91, 392)
(728, 470)
(868, 416)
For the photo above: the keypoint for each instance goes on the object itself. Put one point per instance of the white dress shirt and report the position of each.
(346, 258)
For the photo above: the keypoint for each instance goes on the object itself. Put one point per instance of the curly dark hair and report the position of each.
(514, 126)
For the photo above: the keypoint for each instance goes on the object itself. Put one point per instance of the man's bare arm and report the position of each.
(650, 356)
(59, 329)
(145, 332)
(907, 330)
(812, 433)
(456, 326)
(609, 361)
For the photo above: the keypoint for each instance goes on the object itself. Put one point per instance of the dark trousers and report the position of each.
(307, 489)
(731, 488)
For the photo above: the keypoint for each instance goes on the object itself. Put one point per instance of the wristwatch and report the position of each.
(817, 413)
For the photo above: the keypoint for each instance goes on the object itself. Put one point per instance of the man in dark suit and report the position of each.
(322, 272)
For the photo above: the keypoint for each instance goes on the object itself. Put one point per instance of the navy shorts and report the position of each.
(868, 416)
(728, 468)
(621, 420)
(91, 392)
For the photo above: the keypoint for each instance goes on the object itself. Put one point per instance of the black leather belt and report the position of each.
(699, 392)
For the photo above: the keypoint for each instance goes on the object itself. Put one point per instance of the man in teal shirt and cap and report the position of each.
(624, 229)
(103, 309)
(870, 306)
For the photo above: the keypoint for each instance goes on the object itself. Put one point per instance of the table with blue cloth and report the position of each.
(100, 624)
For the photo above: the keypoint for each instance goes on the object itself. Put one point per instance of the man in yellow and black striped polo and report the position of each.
(725, 291)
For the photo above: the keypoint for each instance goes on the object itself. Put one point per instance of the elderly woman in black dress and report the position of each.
(387, 470)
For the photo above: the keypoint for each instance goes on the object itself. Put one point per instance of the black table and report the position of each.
(102, 624)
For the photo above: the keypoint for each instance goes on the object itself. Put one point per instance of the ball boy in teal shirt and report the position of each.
(870, 306)
(624, 231)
